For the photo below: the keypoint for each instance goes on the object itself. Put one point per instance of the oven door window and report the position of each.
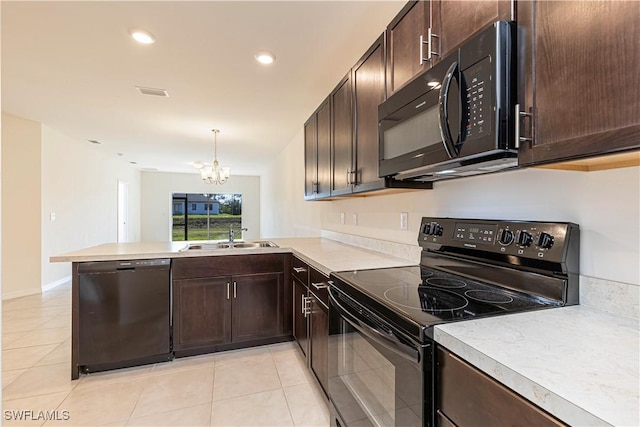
(370, 384)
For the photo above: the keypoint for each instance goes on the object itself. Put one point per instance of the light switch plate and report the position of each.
(342, 218)
(355, 219)
(404, 220)
(52, 216)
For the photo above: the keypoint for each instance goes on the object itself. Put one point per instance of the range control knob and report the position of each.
(545, 241)
(436, 229)
(524, 238)
(427, 228)
(505, 237)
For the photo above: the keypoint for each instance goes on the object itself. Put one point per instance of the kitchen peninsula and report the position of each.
(601, 388)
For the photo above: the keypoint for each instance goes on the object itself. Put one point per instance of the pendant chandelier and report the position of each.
(214, 174)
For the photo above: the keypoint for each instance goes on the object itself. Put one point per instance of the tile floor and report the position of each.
(266, 386)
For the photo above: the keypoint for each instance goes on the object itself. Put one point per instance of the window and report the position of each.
(209, 216)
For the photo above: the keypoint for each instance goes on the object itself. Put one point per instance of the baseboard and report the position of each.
(18, 294)
(55, 284)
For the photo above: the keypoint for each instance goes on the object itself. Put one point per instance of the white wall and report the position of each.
(20, 206)
(80, 185)
(285, 213)
(157, 188)
(605, 204)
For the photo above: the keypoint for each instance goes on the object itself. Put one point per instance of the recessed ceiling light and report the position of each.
(142, 36)
(265, 58)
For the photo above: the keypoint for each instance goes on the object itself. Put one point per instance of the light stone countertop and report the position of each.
(326, 255)
(577, 363)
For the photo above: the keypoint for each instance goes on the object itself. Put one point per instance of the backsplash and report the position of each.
(620, 299)
(398, 250)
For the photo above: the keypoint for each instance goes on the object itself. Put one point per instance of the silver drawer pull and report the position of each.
(299, 269)
(321, 285)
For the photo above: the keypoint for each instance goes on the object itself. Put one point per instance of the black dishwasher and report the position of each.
(124, 313)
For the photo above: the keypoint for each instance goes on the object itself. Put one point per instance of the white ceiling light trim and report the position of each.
(265, 58)
(213, 174)
(142, 36)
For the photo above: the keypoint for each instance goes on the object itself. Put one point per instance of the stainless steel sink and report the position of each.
(253, 244)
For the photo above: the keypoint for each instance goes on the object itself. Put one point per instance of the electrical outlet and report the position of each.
(404, 221)
(342, 218)
(355, 219)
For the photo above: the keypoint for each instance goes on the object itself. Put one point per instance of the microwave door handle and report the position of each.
(445, 131)
(388, 340)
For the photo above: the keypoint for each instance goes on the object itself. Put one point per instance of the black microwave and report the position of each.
(457, 118)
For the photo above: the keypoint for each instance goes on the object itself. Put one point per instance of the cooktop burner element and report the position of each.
(491, 297)
(427, 299)
(445, 282)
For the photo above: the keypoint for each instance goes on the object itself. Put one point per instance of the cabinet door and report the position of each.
(580, 78)
(324, 150)
(405, 52)
(341, 137)
(299, 316)
(201, 312)
(368, 93)
(310, 158)
(460, 19)
(319, 338)
(257, 306)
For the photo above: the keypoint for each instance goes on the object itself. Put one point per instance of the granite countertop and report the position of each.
(326, 255)
(577, 363)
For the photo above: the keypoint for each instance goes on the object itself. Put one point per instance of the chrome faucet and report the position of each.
(232, 234)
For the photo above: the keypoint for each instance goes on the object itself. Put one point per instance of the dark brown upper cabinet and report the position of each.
(317, 149)
(459, 20)
(411, 45)
(578, 79)
(368, 81)
(342, 137)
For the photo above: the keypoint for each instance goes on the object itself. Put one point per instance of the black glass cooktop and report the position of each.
(429, 296)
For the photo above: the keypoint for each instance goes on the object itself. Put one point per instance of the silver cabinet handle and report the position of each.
(429, 43)
(520, 115)
(228, 290)
(302, 306)
(320, 285)
(299, 269)
(235, 285)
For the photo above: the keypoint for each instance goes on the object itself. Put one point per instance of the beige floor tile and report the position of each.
(32, 313)
(115, 376)
(244, 355)
(261, 409)
(283, 347)
(41, 337)
(9, 338)
(23, 325)
(10, 376)
(245, 377)
(21, 358)
(42, 408)
(193, 416)
(101, 404)
(306, 406)
(40, 380)
(185, 363)
(60, 354)
(175, 391)
(291, 367)
(61, 320)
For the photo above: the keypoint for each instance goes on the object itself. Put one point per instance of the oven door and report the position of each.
(378, 376)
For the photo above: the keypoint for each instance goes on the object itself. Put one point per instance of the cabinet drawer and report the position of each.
(213, 266)
(466, 396)
(300, 270)
(318, 284)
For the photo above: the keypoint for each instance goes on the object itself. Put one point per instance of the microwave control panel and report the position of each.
(477, 83)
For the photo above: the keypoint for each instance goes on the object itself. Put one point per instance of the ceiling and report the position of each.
(73, 67)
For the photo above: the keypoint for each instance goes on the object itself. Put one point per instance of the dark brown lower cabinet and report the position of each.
(230, 310)
(468, 397)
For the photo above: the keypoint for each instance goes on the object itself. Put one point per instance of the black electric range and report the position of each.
(469, 269)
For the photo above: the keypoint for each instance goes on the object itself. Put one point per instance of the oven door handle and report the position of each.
(387, 339)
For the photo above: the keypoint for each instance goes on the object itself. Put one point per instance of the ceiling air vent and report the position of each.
(152, 91)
